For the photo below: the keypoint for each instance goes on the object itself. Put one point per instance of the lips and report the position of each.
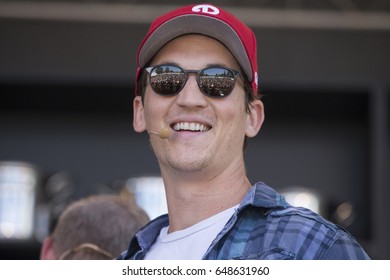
(190, 126)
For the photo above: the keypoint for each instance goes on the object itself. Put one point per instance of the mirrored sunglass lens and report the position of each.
(167, 80)
(216, 82)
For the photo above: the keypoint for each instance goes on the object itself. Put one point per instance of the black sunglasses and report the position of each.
(168, 80)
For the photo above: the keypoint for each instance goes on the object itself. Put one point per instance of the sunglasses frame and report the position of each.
(235, 73)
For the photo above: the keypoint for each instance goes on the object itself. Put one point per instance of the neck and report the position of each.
(195, 197)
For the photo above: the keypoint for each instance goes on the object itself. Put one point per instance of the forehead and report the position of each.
(195, 51)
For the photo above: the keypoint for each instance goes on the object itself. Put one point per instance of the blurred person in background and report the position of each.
(98, 227)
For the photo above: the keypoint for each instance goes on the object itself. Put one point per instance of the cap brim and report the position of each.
(195, 24)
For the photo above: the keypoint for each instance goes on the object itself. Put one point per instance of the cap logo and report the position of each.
(206, 9)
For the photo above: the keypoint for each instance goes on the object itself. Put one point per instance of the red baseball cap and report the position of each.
(208, 20)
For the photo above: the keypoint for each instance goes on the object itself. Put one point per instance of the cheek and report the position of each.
(240, 119)
(235, 117)
(237, 109)
(155, 106)
(151, 114)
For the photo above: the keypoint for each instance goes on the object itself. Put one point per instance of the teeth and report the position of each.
(190, 126)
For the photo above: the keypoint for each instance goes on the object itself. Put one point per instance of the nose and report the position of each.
(190, 95)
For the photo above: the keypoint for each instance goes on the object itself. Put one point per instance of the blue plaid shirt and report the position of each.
(265, 227)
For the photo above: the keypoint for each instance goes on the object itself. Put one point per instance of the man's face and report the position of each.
(220, 124)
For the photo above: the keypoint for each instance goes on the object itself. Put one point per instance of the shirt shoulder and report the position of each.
(267, 227)
(144, 239)
(310, 236)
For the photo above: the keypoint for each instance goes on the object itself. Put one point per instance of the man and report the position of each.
(197, 97)
(98, 227)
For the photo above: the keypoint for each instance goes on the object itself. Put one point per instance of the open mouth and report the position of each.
(190, 126)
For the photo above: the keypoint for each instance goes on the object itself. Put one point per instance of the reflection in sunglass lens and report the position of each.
(167, 80)
(216, 82)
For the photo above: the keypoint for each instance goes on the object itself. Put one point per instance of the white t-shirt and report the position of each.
(190, 243)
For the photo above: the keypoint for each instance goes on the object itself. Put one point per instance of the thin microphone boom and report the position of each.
(163, 133)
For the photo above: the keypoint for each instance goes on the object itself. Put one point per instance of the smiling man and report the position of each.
(197, 97)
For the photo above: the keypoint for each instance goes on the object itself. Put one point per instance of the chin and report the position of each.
(187, 164)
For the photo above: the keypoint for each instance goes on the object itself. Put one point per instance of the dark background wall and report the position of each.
(66, 89)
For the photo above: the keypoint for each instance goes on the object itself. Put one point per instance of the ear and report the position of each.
(47, 250)
(255, 118)
(138, 115)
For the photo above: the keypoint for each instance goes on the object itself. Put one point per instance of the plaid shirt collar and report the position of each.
(260, 195)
